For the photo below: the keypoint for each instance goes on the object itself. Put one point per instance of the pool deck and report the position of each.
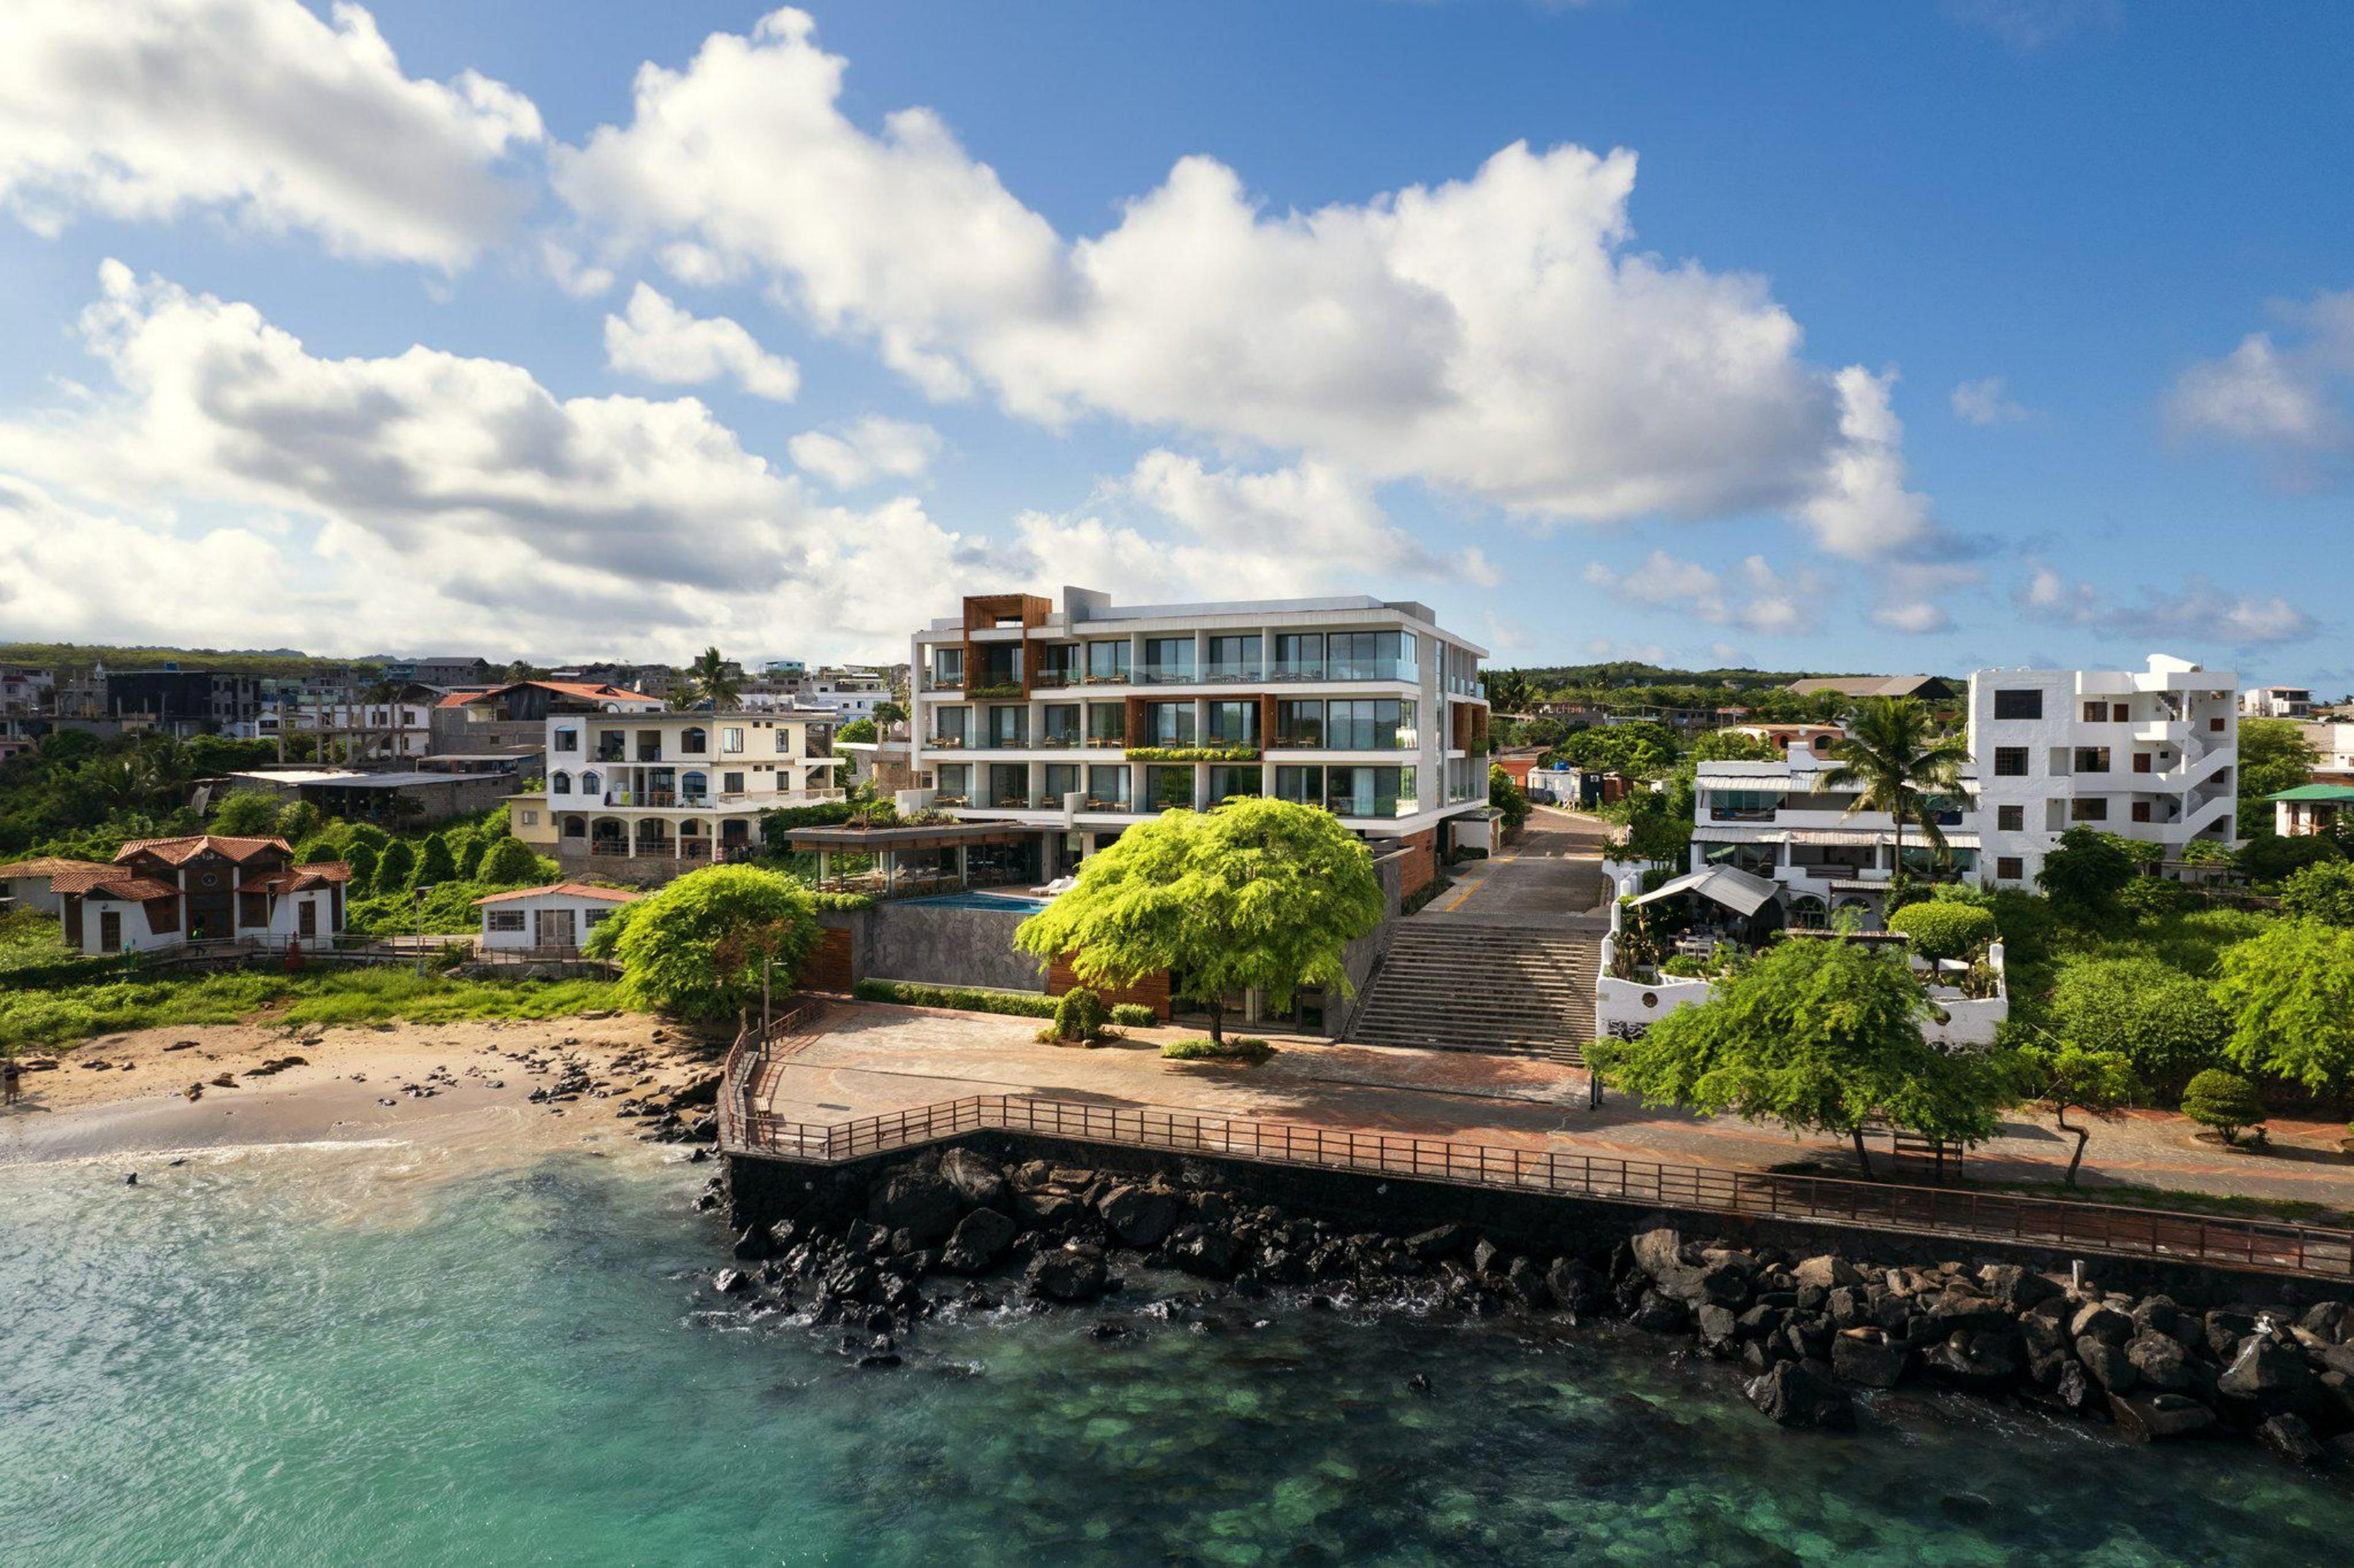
(867, 1058)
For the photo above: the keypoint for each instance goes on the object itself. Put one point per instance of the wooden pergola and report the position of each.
(888, 846)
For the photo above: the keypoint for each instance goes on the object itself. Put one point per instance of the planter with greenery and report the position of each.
(1192, 754)
(1244, 1051)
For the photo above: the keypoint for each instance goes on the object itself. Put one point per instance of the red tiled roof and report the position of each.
(179, 851)
(113, 882)
(585, 691)
(48, 865)
(570, 889)
(301, 879)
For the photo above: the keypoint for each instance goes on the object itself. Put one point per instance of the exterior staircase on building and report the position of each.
(1457, 986)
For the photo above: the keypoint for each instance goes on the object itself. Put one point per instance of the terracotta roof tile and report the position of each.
(571, 889)
(48, 865)
(179, 851)
(113, 882)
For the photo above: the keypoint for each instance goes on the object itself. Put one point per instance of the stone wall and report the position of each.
(938, 944)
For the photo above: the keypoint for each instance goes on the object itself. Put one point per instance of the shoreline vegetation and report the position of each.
(66, 1014)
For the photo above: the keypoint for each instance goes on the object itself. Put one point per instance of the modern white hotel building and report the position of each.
(1082, 719)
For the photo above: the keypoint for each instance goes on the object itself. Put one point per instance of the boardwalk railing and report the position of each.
(2278, 1248)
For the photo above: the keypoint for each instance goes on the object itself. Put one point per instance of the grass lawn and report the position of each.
(65, 1013)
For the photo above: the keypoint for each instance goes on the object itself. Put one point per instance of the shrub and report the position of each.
(843, 901)
(1242, 1050)
(435, 863)
(2225, 1102)
(362, 859)
(2088, 870)
(1937, 929)
(298, 820)
(469, 852)
(1133, 1015)
(510, 862)
(696, 949)
(1078, 1015)
(247, 814)
(963, 998)
(2146, 896)
(2158, 1017)
(2268, 858)
(2323, 891)
(396, 866)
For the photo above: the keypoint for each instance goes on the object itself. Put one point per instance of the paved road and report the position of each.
(1552, 877)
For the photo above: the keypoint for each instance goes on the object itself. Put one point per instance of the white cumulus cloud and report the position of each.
(868, 450)
(1765, 600)
(1497, 335)
(663, 343)
(2197, 612)
(1986, 402)
(257, 109)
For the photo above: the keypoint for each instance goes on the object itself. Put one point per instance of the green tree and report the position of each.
(2158, 1018)
(2273, 755)
(1896, 761)
(2087, 871)
(2289, 994)
(299, 820)
(435, 863)
(717, 686)
(1638, 750)
(1509, 692)
(2224, 1101)
(510, 862)
(856, 730)
(1733, 745)
(1256, 893)
(696, 949)
(2268, 858)
(886, 714)
(2323, 891)
(470, 848)
(361, 857)
(1819, 1035)
(247, 814)
(1938, 929)
(2068, 1078)
(396, 866)
(1507, 797)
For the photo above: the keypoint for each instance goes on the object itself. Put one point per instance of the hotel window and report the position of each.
(948, 725)
(955, 782)
(948, 666)
(2088, 809)
(1370, 655)
(2018, 703)
(1062, 778)
(1168, 787)
(2010, 819)
(1107, 725)
(589, 783)
(2091, 759)
(692, 742)
(1058, 725)
(1107, 664)
(731, 739)
(1300, 786)
(1232, 659)
(1107, 787)
(1369, 791)
(559, 784)
(1233, 724)
(1169, 724)
(1008, 726)
(1168, 659)
(2010, 761)
(1299, 723)
(731, 783)
(1298, 656)
(1226, 782)
(1058, 664)
(1369, 724)
(1009, 784)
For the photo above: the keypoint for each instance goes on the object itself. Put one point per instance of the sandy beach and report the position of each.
(459, 1087)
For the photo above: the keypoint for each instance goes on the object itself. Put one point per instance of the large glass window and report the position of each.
(1232, 723)
(1165, 786)
(1009, 726)
(1232, 659)
(1058, 664)
(952, 783)
(948, 666)
(1107, 664)
(1062, 778)
(1106, 725)
(1168, 723)
(567, 740)
(1228, 781)
(951, 726)
(1369, 724)
(1743, 805)
(1298, 656)
(1370, 656)
(1107, 787)
(1009, 784)
(1299, 723)
(1300, 786)
(1058, 725)
(1168, 659)
(1369, 791)
(2018, 703)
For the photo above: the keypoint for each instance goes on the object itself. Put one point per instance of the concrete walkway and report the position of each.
(872, 1058)
(1551, 877)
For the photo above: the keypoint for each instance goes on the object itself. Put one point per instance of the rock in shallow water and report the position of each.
(1794, 1395)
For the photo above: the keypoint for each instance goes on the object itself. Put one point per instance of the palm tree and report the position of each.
(1894, 757)
(711, 679)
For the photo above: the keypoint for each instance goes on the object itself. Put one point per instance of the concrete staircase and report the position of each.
(1456, 985)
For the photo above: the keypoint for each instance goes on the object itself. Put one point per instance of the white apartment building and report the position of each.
(1770, 819)
(2150, 754)
(2277, 702)
(643, 797)
(1082, 720)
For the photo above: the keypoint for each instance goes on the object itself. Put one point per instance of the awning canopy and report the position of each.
(1736, 890)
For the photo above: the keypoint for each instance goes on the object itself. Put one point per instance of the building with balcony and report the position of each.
(1081, 720)
(642, 797)
(1773, 821)
(2277, 702)
(2150, 754)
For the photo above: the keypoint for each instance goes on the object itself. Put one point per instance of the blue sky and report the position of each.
(1919, 336)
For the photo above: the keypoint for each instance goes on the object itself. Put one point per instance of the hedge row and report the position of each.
(964, 998)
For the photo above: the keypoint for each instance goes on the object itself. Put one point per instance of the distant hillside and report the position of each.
(242, 662)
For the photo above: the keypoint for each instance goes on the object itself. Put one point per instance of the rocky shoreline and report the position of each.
(874, 1255)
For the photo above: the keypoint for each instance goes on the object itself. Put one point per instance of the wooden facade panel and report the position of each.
(1420, 864)
(831, 965)
(1151, 992)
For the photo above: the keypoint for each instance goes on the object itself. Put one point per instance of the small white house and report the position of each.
(555, 918)
(29, 883)
(209, 887)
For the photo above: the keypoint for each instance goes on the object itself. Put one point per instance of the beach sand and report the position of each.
(480, 1075)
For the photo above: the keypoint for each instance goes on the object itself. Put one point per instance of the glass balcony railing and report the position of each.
(1229, 673)
(1167, 675)
(1345, 669)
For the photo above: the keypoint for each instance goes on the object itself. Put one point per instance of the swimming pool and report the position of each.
(1021, 902)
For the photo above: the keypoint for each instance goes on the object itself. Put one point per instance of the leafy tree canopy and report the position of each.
(1939, 928)
(2268, 858)
(2323, 891)
(1819, 1035)
(1638, 751)
(858, 729)
(248, 814)
(694, 949)
(510, 862)
(1507, 796)
(2087, 871)
(2273, 755)
(1256, 893)
(2070, 1077)
(2290, 997)
(1732, 745)
(2161, 1020)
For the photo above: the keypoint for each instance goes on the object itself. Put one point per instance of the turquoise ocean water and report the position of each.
(305, 1356)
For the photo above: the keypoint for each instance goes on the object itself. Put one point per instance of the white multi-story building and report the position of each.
(2151, 754)
(1770, 819)
(2277, 702)
(402, 728)
(1084, 720)
(643, 797)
